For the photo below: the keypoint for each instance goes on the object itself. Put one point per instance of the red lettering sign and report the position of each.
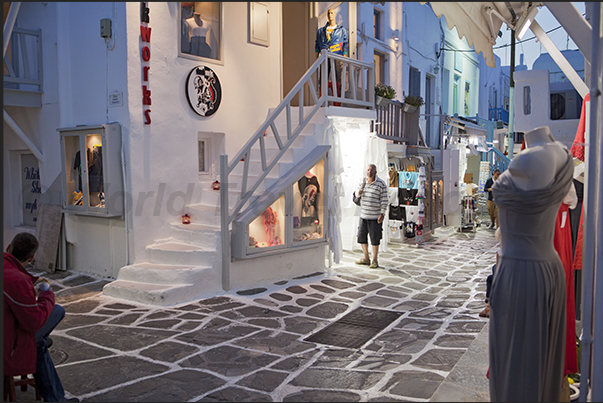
(145, 33)
(146, 54)
(146, 96)
(145, 36)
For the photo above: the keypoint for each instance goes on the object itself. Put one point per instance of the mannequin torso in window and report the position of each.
(198, 32)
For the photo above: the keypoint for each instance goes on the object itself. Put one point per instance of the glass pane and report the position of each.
(73, 170)
(269, 228)
(94, 156)
(308, 205)
(200, 29)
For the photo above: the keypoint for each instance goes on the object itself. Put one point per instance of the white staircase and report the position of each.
(188, 264)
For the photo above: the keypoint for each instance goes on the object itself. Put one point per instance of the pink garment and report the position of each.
(563, 245)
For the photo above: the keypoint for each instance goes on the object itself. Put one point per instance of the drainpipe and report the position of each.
(511, 99)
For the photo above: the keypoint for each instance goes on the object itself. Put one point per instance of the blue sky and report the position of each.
(530, 46)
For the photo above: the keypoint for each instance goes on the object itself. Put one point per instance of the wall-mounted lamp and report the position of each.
(396, 35)
(524, 25)
(105, 28)
(435, 69)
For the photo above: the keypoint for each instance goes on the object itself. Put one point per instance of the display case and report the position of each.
(92, 170)
(297, 218)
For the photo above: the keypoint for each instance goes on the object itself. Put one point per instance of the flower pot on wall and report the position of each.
(409, 108)
(380, 101)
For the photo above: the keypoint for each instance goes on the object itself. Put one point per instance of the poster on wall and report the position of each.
(203, 91)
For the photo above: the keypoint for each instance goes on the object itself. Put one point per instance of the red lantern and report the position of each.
(186, 219)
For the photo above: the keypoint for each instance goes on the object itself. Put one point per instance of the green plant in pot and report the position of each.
(412, 103)
(384, 93)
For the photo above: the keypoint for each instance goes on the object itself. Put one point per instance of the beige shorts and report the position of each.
(492, 209)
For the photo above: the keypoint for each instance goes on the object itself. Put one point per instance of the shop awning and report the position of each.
(478, 22)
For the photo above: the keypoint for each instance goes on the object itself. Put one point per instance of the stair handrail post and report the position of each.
(324, 84)
(224, 222)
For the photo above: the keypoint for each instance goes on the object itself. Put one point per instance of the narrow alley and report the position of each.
(250, 345)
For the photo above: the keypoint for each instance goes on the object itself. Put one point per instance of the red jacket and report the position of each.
(24, 314)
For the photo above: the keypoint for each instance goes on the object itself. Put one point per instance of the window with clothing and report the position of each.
(201, 30)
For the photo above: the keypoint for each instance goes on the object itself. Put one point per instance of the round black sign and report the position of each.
(203, 91)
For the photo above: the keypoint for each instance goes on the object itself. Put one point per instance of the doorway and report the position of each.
(297, 45)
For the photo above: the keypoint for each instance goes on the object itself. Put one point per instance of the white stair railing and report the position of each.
(357, 76)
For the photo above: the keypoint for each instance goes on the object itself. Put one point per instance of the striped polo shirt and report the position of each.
(374, 199)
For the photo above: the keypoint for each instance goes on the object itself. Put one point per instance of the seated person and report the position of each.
(29, 319)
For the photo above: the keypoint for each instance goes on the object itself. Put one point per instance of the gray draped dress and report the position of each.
(527, 317)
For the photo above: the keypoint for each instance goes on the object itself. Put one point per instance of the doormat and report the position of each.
(356, 328)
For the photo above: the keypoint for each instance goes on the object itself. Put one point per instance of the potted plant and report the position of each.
(412, 103)
(383, 94)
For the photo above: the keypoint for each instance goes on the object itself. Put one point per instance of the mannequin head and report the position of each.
(331, 16)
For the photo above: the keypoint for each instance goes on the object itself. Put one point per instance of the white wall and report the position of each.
(166, 150)
(564, 130)
(81, 69)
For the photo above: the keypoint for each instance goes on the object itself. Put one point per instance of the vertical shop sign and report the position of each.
(145, 36)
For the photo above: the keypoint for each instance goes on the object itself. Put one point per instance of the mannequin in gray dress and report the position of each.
(527, 317)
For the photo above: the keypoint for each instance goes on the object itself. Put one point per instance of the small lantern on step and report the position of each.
(216, 185)
(186, 219)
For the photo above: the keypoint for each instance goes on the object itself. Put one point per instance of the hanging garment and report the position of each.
(395, 232)
(527, 299)
(577, 151)
(393, 196)
(410, 164)
(95, 170)
(393, 178)
(408, 197)
(409, 180)
(563, 246)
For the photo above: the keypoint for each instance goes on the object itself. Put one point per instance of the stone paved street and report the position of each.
(249, 345)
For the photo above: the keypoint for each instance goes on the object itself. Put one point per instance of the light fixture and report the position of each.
(396, 35)
(436, 69)
(524, 25)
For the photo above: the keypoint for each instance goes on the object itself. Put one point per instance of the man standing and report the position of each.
(333, 38)
(492, 209)
(373, 205)
(29, 319)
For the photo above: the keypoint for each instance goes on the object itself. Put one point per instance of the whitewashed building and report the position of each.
(129, 113)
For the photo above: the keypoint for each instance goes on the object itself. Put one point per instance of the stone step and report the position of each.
(166, 274)
(198, 232)
(180, 254)
(157, 294)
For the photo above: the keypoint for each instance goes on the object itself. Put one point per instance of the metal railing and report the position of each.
(498, 114)
(23, 60)
(357, 90)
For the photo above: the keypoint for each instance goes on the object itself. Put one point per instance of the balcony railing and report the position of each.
(23, 81)
(498, 114)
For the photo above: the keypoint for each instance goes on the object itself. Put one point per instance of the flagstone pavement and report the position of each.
(249, 345)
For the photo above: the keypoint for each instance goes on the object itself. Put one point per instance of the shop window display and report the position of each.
(268, 228)
(201, 29)
(295, 220)
(85, 163)
(308, 205)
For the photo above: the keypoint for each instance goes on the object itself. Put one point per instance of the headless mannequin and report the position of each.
(197, 26)
(198, 30)
(536, 167)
